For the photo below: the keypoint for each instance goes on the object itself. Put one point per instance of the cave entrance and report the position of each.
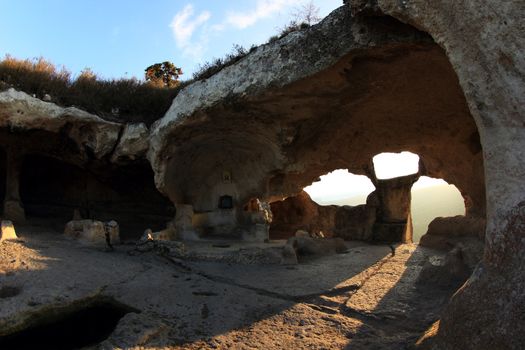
(3, 178)
(317, 208)
(65, 330)
(432, 198)
(429, 197)
(340, 187)
(337, 204)
(52, 190)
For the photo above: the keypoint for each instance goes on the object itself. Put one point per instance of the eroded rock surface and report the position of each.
(19, 110)
(93, 232)
(485, 46)
(321, 107)
(363, 81)
(133, 144)
(56, 161)
(470, 81)
(199, 304)
(462, 233)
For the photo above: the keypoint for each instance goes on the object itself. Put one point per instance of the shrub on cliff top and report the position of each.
(122, 100)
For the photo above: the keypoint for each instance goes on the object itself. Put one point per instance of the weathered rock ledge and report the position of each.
(92, 134)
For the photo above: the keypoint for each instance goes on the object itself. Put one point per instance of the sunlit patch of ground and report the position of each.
(366, 298)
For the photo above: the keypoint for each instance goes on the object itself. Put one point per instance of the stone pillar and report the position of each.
(184, 222)
(13, 209)
(260, 220)
(394, 222)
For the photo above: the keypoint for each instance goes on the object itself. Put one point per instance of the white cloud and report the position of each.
(183, 25)
(263, 9)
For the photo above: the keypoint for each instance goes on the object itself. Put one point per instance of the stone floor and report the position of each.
(367, 298)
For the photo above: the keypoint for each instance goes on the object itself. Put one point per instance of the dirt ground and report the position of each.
(367, 298)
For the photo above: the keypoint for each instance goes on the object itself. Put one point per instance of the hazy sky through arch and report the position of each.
(341, 187)
(431, 197)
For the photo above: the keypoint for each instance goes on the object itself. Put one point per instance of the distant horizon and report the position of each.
(428, 202)
(417, 186)
(340, 184)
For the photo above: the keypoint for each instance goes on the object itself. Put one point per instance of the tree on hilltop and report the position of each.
(164, 74)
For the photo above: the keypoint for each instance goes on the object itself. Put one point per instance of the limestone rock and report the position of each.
(135, 330)
(183, 223)
(92, 232)
(88, 131)
(485, 47)
(297, 56)
(289, 255)
(167, 234)
(264, 256)
(14, 211)
(457, 226)
(393, 221)
(305, 246)
(133, 143)
(447, 271)
(394, 198)
(355, 223)
(301, 213)
(7, 230)
(459, 232)
(162, 247)
(258, 233)
(302, 233)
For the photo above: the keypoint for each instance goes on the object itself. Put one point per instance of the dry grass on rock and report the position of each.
(122, 100)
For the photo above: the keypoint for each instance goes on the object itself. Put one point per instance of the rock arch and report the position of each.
(398, 94)
(441, 79)
(451, 97)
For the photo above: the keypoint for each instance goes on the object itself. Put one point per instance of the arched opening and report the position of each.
(52, 191)
(340, 187)
(336, 205)
(3, 178)
(432, 198)
(421, 200)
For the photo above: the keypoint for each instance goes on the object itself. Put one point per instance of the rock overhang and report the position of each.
(284, 130)
(273, 66)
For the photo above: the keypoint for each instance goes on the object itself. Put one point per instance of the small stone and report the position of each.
(302, 233)
(7, 231)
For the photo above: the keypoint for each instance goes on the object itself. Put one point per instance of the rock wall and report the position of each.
(275, 131)
(445, 233)
(442, 79)
(361, 83)
(393, 197)
(301, 213)
(56, 160)
(385, 217)
(484, 43)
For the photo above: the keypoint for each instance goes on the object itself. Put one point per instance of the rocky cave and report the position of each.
(224, 170)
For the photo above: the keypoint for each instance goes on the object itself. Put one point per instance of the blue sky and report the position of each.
(117, 38)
